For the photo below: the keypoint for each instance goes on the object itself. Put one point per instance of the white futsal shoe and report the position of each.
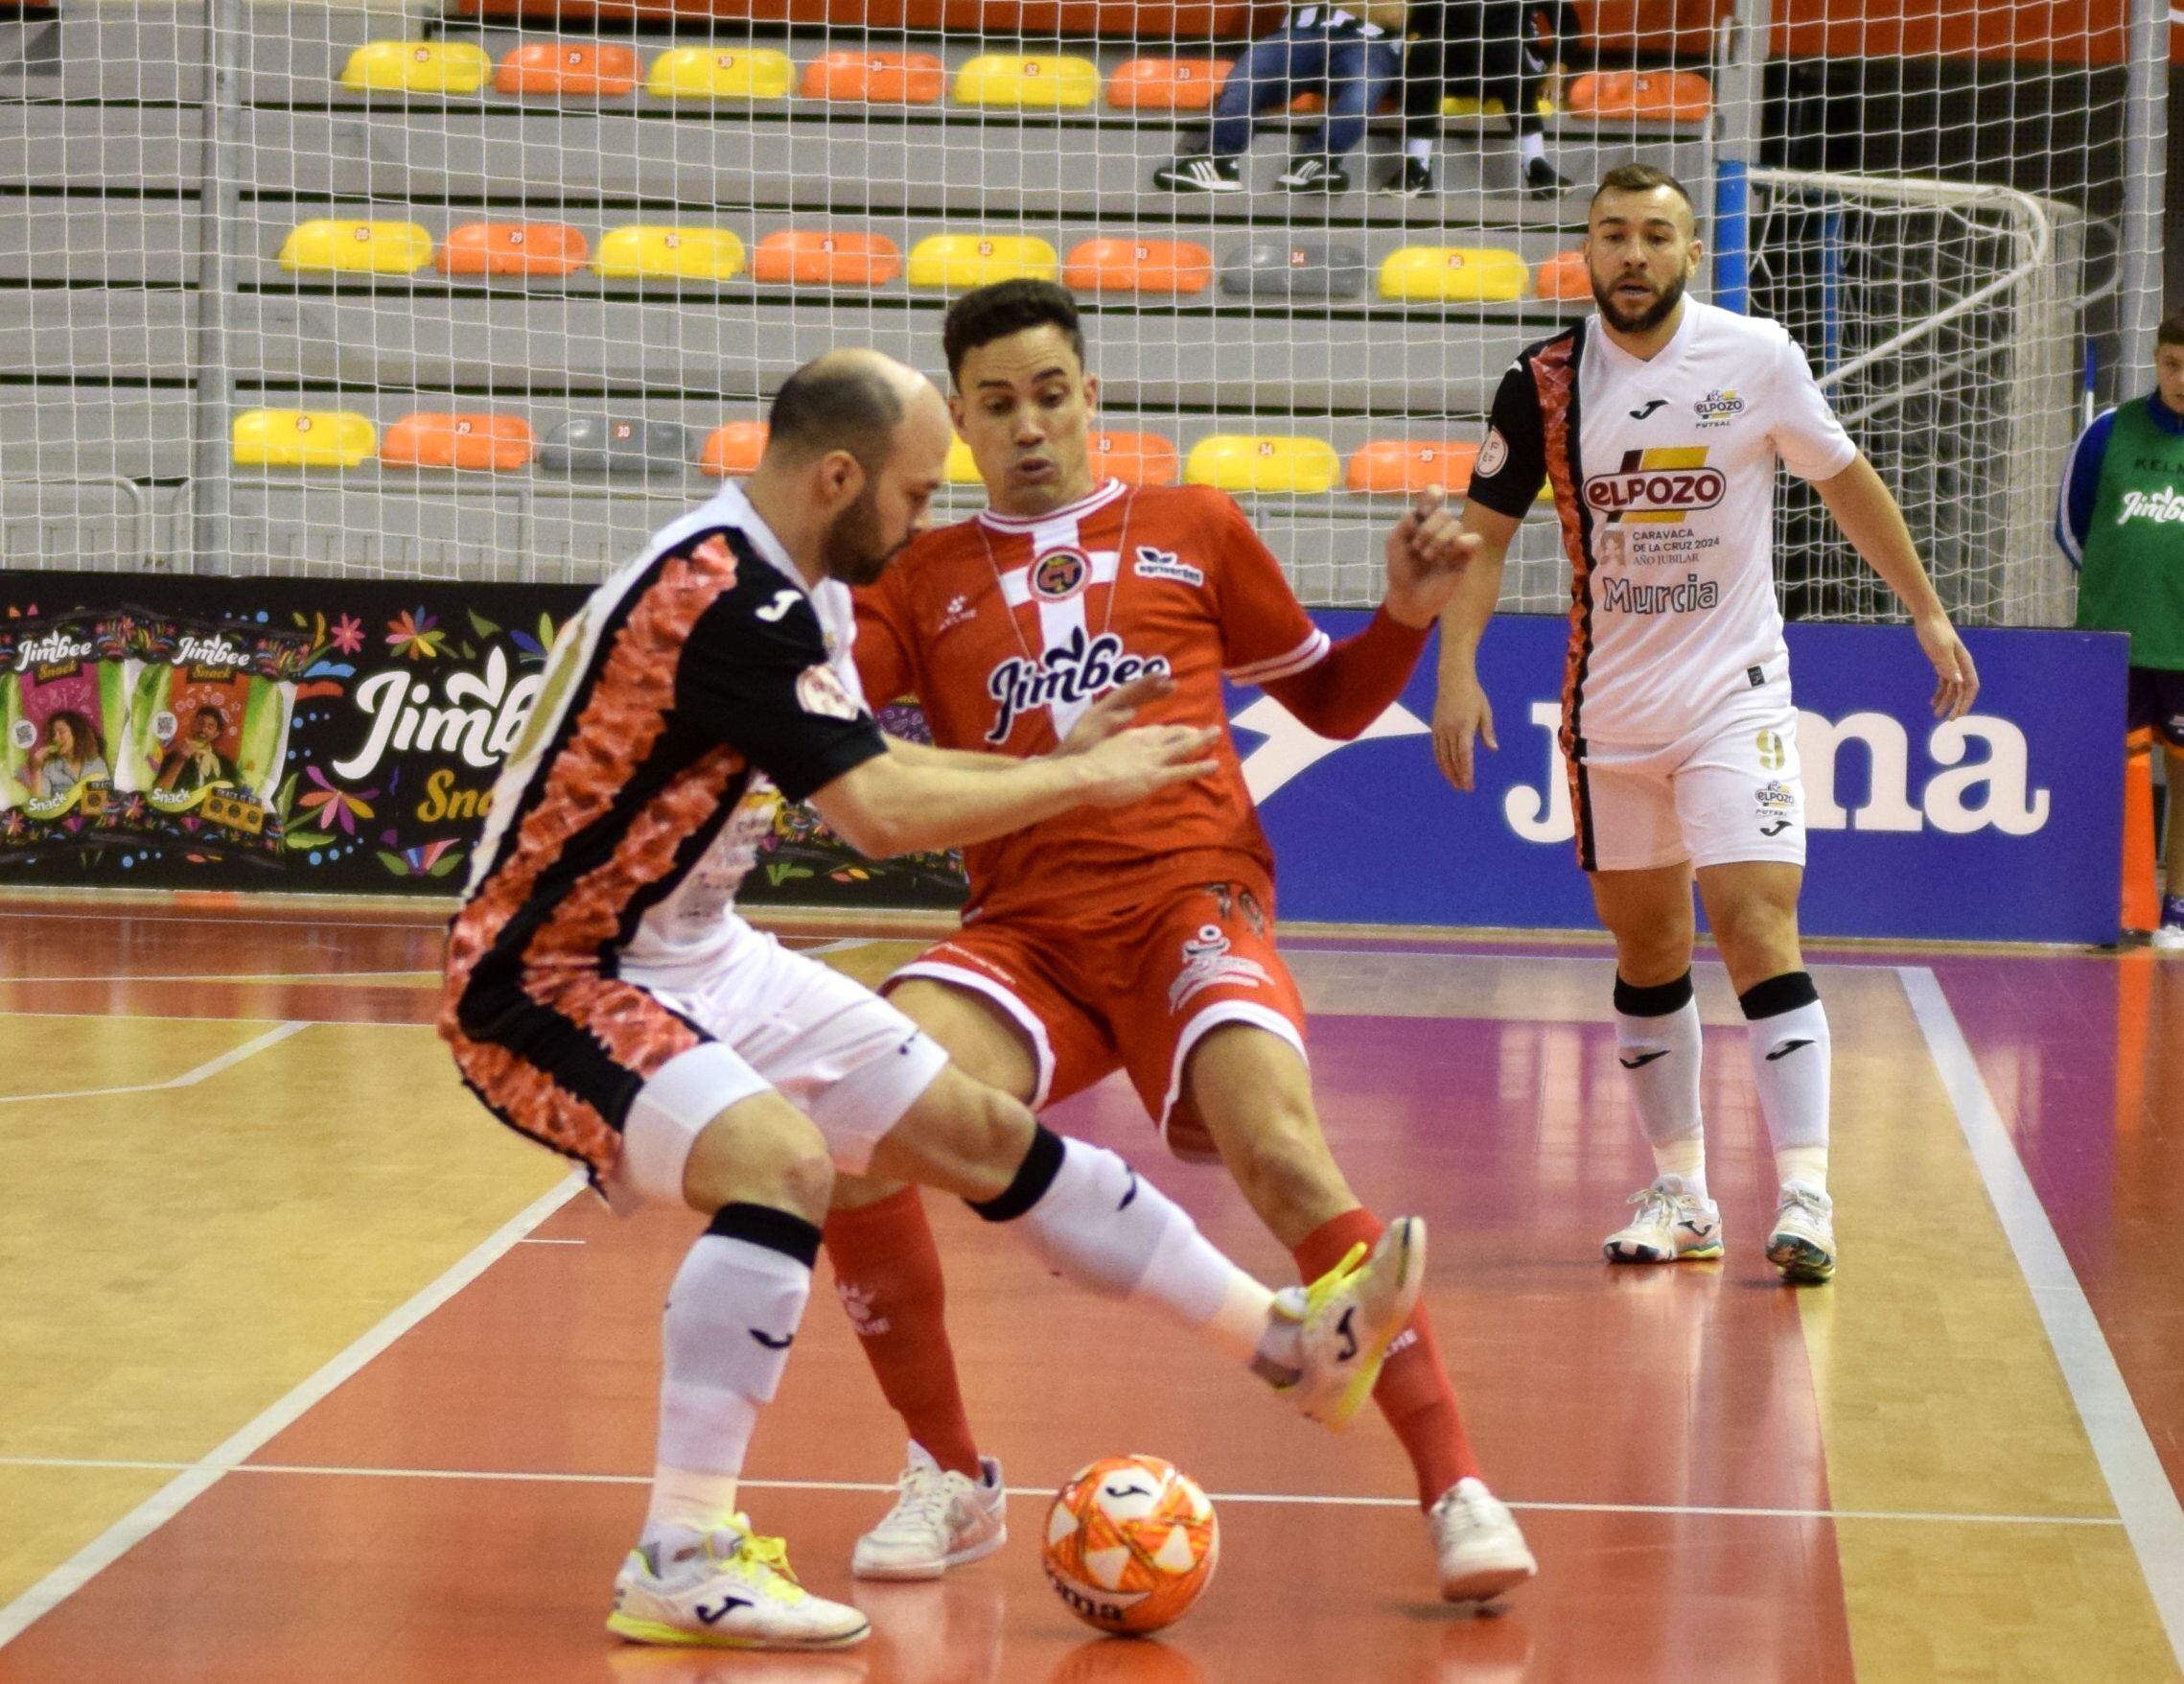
(939, 1520)
(727, 1588)
(1803, 1243)
(1476, 1542)
(1349, 1317)
(1672, 1223)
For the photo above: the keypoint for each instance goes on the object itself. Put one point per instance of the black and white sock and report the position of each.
(1792, 1053)
(1658, 1043)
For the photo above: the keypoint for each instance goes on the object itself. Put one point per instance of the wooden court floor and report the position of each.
(308, 1371)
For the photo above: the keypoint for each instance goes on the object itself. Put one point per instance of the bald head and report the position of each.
(852, 400)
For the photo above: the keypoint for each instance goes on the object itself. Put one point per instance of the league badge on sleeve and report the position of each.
(819, 691)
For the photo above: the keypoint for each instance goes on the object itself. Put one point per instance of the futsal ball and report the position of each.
(1130, 1543)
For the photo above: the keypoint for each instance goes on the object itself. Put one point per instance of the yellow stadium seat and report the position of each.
(303, 438)
(1235, 461)
(963, 466)
(418, 67)
(961, 260)
(1467, 273)
(1032, 82)
(645, 251)
(377, 248)
(707, 73)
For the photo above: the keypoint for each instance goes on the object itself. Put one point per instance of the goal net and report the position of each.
(492, 290)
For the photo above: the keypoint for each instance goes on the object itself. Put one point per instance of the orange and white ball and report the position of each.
(1130, 1543)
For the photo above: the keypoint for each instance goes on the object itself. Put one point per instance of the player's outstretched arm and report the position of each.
(1862, 506)
(905, 804)
(1463, 716)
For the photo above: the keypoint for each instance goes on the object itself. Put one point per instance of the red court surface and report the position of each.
(1722, 1476)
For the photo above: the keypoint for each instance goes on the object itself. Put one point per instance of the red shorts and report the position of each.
(1133, 990)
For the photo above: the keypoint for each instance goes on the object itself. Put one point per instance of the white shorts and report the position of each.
(1731, 790)
(832, 1048)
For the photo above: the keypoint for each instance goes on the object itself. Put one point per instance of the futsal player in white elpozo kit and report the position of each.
(604, 998)
(1658, 421)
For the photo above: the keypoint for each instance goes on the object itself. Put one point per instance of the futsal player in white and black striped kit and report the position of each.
(1659, 422)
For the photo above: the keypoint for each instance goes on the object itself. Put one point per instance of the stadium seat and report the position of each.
(440, 440)
(1563, 276)
(1138, 266)
(1168, 84)
(1235, 461)
(585, 69)
(303, 438)
(733, 449)
(819, 257)
(1677, 95)
(329, 244)
(1293, 269)
(417, 67)
(602, 444)
(1135, 458)
(1453, 274)
(1406, 467)
(704, 72)
(963, 466)
(876, 78)
(653, 252)
(959, 262)
(512, 248)
(1027, 82)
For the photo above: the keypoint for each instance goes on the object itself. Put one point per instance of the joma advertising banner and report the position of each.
(299, 734)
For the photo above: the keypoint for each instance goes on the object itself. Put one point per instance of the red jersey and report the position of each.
(1007, 628)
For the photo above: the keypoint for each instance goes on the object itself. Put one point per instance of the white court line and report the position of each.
(188, 1078)
(325, 977)
(2145, 1499)
(216, 1018)
(521, 1477)
(197, 1477)
(534, 1242)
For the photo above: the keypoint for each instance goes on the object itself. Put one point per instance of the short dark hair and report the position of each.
(1640, 179)
(2171, 332)
(836, 403)
(993, 313)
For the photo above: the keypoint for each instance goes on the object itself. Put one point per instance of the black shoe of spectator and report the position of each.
(1543, 181)
(1312, 175)
(1413, 178)
(1199, 172)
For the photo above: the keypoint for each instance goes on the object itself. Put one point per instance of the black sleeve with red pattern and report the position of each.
(753, 675)
(1513, 462)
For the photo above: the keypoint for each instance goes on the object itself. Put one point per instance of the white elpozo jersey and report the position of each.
(1663, 477)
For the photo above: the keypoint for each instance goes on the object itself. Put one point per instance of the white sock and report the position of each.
(1791, 1055)
(1533, 145)
(1658, 1045)
(732, 1315)
(1806, 1165)
(1421, 150)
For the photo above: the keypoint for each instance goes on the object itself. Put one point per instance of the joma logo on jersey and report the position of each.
(1079, 670)
(1673, 489)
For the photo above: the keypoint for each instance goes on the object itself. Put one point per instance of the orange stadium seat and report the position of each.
(819, 257)
(512, 248)
(1564, 276)
(1677, 95)
(876, 78)
(734, 450)
(1135, 458)
(439, 440)
(582, 68)
(1138, 266)
(1168, 84)
(1406, 467)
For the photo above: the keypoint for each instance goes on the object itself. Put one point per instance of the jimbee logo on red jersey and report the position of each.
(1666, 482)
(1061, 573)
(1079, 671)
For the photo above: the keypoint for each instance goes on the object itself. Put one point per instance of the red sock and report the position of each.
(1413, 1390)
(888, 1272)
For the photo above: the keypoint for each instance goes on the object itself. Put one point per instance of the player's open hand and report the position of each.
(1462, 719)
(1114, 710)
(1958, 679)
(1132, 765)
(1427, 550)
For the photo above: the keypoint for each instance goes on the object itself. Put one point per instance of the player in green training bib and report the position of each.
(2120, 518)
